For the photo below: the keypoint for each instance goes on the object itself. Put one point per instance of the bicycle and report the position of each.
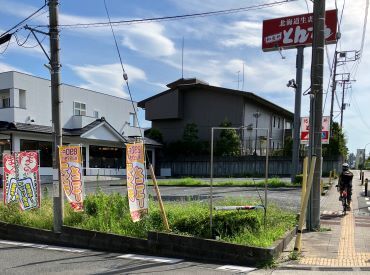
(343, 198)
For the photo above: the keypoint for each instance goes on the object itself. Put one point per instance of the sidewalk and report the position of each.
(343, 241)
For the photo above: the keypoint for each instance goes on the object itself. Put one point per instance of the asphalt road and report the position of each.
(286, 197)
(26, 258)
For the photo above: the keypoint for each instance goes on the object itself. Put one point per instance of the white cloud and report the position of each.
(107, 78)
(6, 68)
(148, 39)
(243, 34)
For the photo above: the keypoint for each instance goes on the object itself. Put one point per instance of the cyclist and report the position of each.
(345, 182)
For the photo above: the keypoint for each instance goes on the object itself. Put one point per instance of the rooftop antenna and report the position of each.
(243, 78)
(182, 59)
(238, 78)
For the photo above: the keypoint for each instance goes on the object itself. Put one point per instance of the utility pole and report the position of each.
(340, 59)
(56, 108)
(297, 111)
(333, 88)
(343, 106)
(317, 73)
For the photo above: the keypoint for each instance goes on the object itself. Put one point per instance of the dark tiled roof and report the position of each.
(81, 131)
(248, 95)
(40, 129)
(147, 141)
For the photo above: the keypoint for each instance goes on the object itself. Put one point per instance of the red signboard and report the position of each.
(297, 30)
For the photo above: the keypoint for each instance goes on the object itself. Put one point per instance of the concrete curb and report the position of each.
(158, 243)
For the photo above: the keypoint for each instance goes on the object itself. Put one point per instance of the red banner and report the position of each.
(290, 32)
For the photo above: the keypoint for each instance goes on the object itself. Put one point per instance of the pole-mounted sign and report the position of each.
(305, 129)
(293, 31)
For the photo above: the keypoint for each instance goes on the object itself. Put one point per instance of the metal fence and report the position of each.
(236, 166)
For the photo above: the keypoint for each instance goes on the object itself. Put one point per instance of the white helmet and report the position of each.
(345, 166)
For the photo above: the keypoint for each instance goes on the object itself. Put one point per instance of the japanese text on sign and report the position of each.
(71, 175)
(22, 179)
(136, 180)
(293, 31)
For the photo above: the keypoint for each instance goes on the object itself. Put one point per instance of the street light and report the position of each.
(256, 115)
(296, 127)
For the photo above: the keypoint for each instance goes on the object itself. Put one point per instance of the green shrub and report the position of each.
(298, 179)
(110, 213)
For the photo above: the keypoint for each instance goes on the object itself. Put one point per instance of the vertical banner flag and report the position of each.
(70, 159)
(22, 179)
(136, 181)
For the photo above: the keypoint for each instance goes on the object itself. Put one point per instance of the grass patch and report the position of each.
(110, 213)
(273, 182)
(294, 255)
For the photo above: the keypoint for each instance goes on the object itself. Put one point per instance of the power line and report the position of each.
(6, 47)
(24, 20)
(359, 112)
(335, 52)
(174, 17)
(124, 74)
(22, 44)
(364, 27)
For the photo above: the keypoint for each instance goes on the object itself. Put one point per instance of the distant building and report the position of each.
(194, 101)
(101, 123)
(360, 158)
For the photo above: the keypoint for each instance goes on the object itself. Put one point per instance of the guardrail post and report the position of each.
(366, 183)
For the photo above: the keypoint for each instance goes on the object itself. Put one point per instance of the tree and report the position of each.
(288, 146)
(337, 143)
(190, 134)
(154, 134)
(228, 143)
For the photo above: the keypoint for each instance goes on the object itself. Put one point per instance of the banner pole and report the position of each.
(297, 245)
(163, 213)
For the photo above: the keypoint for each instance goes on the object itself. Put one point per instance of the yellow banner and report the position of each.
(70, 158)
(136, 181)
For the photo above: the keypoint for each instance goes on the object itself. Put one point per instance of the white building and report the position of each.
(101, 123)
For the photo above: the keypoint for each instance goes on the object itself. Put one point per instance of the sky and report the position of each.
(216, 49)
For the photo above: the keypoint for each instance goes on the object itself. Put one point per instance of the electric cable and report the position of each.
(24, 20)
(6, 47)
(124, 74)
(22, 44)
(359, 112)
(173, 17)
(335, 52)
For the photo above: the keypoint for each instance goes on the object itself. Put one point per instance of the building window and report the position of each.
(4, 148)
(274, 121)
(132, 120)
(44, 147)
(106, 157)
(279, 122)
(79, 109)
(6, 102)
(96, 114)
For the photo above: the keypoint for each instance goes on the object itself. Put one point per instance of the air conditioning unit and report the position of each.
(30, 120)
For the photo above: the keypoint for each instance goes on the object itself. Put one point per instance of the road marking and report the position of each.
(368, 202)
(366, 199)
(150, 258)
(368, 208)
(236, 268)
(43, 246)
